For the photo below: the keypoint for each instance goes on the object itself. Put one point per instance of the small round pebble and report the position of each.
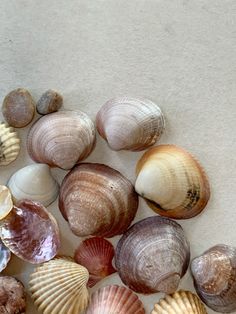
(49, 102)
(18, 108)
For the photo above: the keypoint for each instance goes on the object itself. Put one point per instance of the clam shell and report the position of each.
(214, 274)
(153, 255)
(34, 182)
(181, 302)
(97, 191)
(59, 287)
(30, 232)
(115, 299)
(129, 123)
(9, 144)
(61, 139)
(172, 181)
(96, 254)
(6, 203)
(5, 256)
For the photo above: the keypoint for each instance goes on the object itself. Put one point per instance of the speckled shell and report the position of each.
(214, 274)
(50, 101)
(129, 123)
(5, 256)
(172, 181)
(153, 255)
(181, 302)
(115, 299)
(97, 200)
(6, 203)
(61, 139)
(59, 287)
(9, 144)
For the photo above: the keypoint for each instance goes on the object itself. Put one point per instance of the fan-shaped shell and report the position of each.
(181, 302)
(214, 274)
(59, 287)
(153, 255)
(115, 299)
(6, 203)
(97, 200)
(5, 256)
(30, 232)
(61, 139)
(129, 123)
(34, 182)
(172, 181)
(96, 254)
(9, 144)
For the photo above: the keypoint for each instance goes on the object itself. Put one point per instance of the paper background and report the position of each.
(179, 53)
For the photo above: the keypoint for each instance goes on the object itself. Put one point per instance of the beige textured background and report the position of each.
(179, 53)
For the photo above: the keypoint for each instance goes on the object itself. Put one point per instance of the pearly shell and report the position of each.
(153, 255)
(59, 287)
(214, 274)
(96, 254)
(30, 232)
(129, 123)
(61, 139)
(5, 256)
(6, 203)
(9, 144)
(115, 299)
(34, 182)
(97, 200)
(172, 181)
(181, 302)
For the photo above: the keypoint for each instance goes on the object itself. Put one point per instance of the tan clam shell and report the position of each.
(181, 302)
(59, 287)
(61, 139)
(6, 203)
(172, 181)
(129, 123)
(9, 144)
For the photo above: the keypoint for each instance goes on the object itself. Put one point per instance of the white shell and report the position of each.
(34, 182)
(6, 203)
(9, 144)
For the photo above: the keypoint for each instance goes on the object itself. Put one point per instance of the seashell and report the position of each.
(61, 139)
(181, 302)
(9, 144)
(5, 256)
(49, 102)
(129, 123)
(96, 254)
(97, 191)
(6, 203)
(115, 299)
(34, 182)
(18, 108)
(214, 274)
(173, 182)
(59, 287)
(153, 255)
(30, 232)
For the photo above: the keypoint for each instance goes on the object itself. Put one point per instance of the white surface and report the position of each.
(180, 54)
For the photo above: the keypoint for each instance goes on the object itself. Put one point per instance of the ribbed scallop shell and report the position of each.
(153, 255)
(61, 139)
(172, 181)
(129, 123)
(115, 299)
(9, 144)
(96, 254)
(5, 256)
(214, 274)
(181, 302)
(97, 200)
(6, 203)
(59, 287)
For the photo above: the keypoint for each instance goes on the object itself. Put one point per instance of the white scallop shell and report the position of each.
(9, 144)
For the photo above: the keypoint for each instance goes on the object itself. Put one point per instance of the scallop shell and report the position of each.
(34, 182)
(153, 255)
(61, 139)
(115, 299)
(97, 191)
(59, 287)
(5, 256)
(129, 123)
(30, 232)
(181, 302)
(172, 181)
(96, 254)
(9, 144)
(6, 203)
(214, 274)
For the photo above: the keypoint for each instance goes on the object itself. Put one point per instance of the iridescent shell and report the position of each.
(5, 256)
(6, 203)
